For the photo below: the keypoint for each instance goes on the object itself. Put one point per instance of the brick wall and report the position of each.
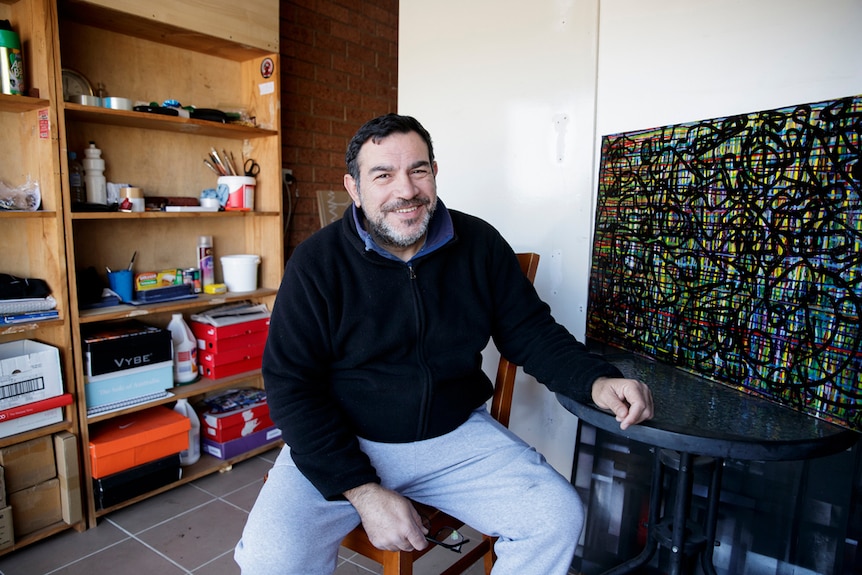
(339, 61)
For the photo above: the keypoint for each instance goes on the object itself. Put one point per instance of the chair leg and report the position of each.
(490, 557)
(397, 563)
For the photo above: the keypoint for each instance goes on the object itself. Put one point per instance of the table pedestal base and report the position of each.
(685, 538)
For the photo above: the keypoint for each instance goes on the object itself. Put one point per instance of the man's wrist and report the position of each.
(360, 492)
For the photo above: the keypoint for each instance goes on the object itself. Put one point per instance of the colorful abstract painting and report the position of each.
(732, 248)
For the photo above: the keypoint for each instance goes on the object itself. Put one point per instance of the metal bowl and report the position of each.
(86, 100)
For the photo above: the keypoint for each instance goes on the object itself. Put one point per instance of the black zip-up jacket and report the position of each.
(361, 345)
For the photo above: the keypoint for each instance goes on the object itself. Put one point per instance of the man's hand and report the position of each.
(389, 519)
(629, 399)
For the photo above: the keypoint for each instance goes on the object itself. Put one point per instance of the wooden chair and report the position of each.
(401, 562)
(331, 205)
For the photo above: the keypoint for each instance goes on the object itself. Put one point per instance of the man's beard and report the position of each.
(387, 235)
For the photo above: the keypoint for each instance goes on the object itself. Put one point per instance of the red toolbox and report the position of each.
(229, 338)
(234, 414)
(228, 350)
(223, 427)
(229, 369)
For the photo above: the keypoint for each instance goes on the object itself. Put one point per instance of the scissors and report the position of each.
(251, 168)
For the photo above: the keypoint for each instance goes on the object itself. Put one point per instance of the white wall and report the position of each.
(516, 96)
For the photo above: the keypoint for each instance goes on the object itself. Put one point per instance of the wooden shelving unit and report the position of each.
(169, 51)
(32, 242)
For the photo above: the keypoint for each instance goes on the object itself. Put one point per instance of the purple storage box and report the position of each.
(242, 445)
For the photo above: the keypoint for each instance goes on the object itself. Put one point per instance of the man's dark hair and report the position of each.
(377, 129)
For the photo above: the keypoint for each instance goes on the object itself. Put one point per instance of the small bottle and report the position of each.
(193, 453)
(185, 350)
(76, 180)
(94, 175)
(206, 261)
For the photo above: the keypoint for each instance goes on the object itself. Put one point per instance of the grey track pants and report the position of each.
(481, 473)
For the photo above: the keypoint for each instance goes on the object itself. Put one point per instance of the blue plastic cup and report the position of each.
(121, 284)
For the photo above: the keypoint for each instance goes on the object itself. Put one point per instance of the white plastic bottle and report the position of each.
(185, 350)
(193, 453)
(94, 175)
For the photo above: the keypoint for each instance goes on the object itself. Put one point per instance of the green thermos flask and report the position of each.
(11, 65)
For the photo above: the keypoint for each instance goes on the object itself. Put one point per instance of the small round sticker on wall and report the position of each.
(267, 67)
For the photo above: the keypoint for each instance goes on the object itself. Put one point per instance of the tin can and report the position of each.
(192, 276)
(11, 66)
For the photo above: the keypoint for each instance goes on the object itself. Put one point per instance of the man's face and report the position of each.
(397, 191)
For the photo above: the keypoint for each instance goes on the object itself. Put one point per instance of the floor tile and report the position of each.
(239, 476)
(353, 569)
(244, 498)
(161, 507)
(197, 537)
(125, 558)
(59, 550)
(224, 565)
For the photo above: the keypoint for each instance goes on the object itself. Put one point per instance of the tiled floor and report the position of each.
(188, 530)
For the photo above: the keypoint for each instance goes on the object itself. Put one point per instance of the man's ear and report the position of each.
(350, 186)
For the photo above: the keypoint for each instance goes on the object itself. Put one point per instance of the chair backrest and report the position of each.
(331, 205)
(504, 386)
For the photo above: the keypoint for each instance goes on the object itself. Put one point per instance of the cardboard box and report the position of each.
(30, 422)
(242, 445)
(7, 529)
(136, 438)
(128, 385)
(126, 362)
(36, 507)
(66, 450)
(29, 371)
(125, 485)
(227, 338)
(2, 488)
(126, 346)
(28, 463)
(223, 427)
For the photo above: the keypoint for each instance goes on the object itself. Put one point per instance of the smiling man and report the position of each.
(399, 195)
(373, 373)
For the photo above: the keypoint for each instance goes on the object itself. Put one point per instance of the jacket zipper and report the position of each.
(425, 406)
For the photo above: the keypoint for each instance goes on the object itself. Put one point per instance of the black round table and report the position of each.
(700, 421)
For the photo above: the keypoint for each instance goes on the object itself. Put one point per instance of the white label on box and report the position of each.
(29, 371)
(30, 422)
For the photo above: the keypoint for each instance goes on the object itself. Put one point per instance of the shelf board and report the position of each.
(200, 387)
(147, 121)
(20, 214)
(206, 465)
(161, 32)
(38, 432)
(157, 214)
(124, 311)
(21, 103)
(16, 328)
